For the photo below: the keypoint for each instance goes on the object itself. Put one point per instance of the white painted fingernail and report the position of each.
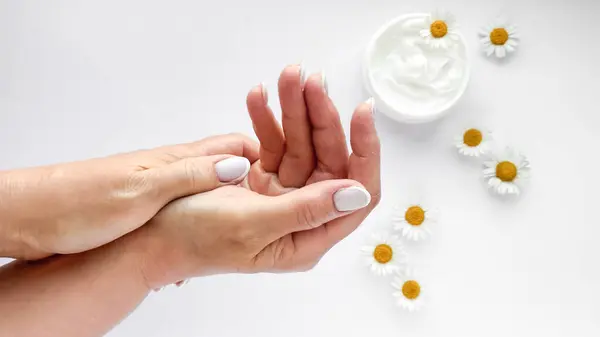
(351, 199)
(265, 93)
(232, 168)
(371, 102)
(324, 83)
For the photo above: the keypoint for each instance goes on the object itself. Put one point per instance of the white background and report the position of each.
(90, 78)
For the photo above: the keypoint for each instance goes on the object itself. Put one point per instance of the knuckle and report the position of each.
(136, 185)
(190, 169)
(195, 173)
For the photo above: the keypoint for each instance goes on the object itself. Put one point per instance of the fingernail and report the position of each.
(265, 93)
(324, 83)
(302, 73)
(371, 102)
(351, 199)
(233, 168)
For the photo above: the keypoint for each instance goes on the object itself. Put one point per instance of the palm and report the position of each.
(308, 148)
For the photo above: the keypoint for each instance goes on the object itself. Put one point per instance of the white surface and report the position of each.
(81, 79)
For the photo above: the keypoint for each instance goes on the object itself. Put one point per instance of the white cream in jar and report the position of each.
(411, 80)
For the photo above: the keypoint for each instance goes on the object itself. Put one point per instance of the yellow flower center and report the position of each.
(415, 215)
(506, 171)
(383, 253)
(472, 137)
(499, 36)
(438, 29)
(411, 289)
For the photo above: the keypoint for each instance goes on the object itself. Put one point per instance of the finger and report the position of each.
(328, 137)
(234, 144)
(314, 205)
(265, 183)
(196, 175)
(364, 167)
(267, 129)
(298, 161)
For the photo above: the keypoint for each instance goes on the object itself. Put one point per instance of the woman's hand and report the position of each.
(311, 147)
(232, 229)
(74, 207)
(291, 212)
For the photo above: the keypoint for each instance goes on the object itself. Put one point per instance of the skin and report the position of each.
(281, 218)
(315, 155)
(74, 207)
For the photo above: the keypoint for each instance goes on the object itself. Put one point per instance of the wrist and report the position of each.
(157, 263)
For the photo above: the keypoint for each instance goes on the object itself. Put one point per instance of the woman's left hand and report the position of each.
(70, 208)
(310, 147)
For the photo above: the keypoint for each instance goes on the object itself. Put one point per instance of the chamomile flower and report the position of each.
(409, 291)
(414, 221)
(506, 170)
(441, 30)
(499, 38)
(474, 142)
(384, 254)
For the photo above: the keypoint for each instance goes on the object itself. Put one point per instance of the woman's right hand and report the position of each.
(74, 207)
(233, 229)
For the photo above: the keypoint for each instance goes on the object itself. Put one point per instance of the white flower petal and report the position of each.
(503, 188)
(489, 172)
(512, 189)
(490, 164)
(490, 50)
(367, 249)
(494, 182)
(512, 43)
(524, 174)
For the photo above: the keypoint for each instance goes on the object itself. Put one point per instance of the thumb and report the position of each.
(316, 204)
(194, 175)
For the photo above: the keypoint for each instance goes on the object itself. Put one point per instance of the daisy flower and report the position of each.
(505, 171)
(499, 38)
(409, 292)
(384, 254)
(473, 142)
(414, 221)
(441, 30)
